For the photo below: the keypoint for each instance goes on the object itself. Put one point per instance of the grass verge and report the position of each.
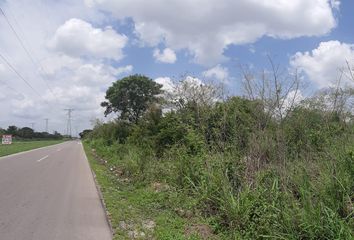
(146, 211)
(17, 147)
(194, 197)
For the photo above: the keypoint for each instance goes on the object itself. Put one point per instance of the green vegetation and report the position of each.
(27, 133)
(143, 210)
(264, 166)
(131, 96)
(17, 147)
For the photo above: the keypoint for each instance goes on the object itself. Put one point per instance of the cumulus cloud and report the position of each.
(292, 99)
(92, 74)
(167, 84)
(165, 56)
(218, 72)
(79, 38)
(70, 62)
(335, 4)
(123, 70)
(207, 28)
(86, 79)
(322, 64)
(54, 63)
(74, 94)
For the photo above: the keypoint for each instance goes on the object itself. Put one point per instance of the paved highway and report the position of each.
(50, 194)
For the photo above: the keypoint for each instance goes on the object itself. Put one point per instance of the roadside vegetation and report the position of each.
(193, 163)
(24, 139)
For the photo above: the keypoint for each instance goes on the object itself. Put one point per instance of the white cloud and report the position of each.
(193, 81)
(57, 62)
(166, 56)
(206, 28)
(322, 64)
(72, 96)
(78, 78)
(93, 74)
(123, 70)
(293, 98)
(167, 84)
(218, 72)
(7, 92)
(79, 38)
(335, 4)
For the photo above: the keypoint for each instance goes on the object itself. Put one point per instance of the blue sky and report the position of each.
(255, 53)
(80, 47)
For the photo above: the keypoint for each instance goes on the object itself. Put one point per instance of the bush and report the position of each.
(116, 131)
(232, 123)
(310, 130)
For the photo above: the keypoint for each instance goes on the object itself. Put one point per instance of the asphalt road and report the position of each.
(50, 194)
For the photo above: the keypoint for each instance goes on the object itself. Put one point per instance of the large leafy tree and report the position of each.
(131, 97)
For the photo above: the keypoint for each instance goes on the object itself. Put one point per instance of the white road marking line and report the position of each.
(42, 158)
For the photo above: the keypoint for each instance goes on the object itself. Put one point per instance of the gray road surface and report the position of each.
(50, 194)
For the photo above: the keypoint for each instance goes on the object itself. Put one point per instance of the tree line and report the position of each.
(28, 133)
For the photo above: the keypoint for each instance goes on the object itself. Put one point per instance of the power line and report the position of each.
(17, 36)
(18, 74)
(26, 50)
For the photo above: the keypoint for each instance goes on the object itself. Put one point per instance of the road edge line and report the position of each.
(100, 195)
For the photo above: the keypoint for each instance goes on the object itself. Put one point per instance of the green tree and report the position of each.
(131, 97)
(12, 130)
(85, 133)
(25, 132)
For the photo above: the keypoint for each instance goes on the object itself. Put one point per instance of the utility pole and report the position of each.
(68, 125)
(46, 124)
(32, 124)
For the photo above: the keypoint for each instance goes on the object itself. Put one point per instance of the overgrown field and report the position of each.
(17, 147)
(228, 177)
(296, 187)
(144, 211)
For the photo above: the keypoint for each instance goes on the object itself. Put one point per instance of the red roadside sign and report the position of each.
(6, 139)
